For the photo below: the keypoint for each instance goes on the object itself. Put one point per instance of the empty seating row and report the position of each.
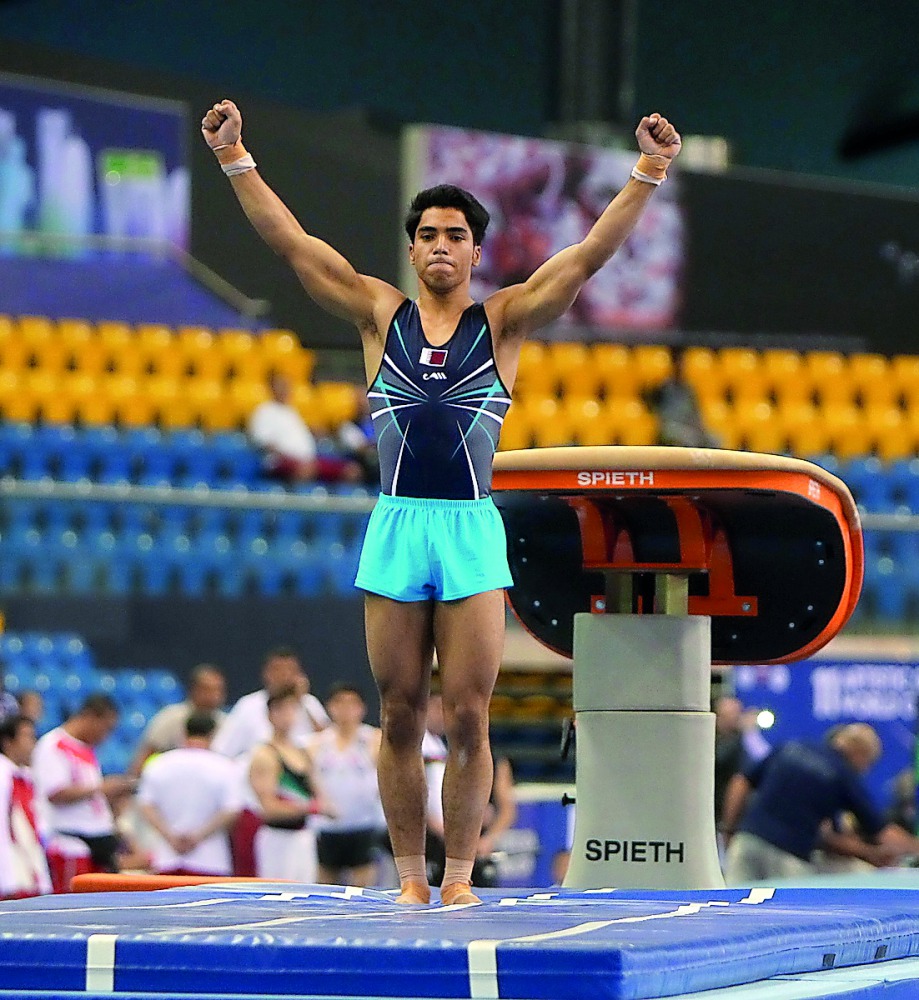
(610, 370)
(139, 563)
(74, 345)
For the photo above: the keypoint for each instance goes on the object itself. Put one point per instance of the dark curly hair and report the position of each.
(448, 196)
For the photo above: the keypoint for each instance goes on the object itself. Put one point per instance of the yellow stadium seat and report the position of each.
(200, 359)
(742, 375)
(239, 350)
(756, 419)
(581, 379)
(718, 418)
(616, 373)
(158, 352)
(515, 431)
(35, 329)
(588, 420)
(563, 355)
(867, 368)
(850, 435)
(244, 396)
(133, 405)
(60, 406)
(207, 409)
(15, 352)
(630, 422)
(94, 402)
(652, 364)
(787, 377)
(904, 371)
(701, 371)
(305, 400)
(889, 434)
(829, 375)
(33, 389)
(282, 352)
(338, 401)
(548, 425)
(51, 355)
(536, 375)
(780, 364)
(171, 401)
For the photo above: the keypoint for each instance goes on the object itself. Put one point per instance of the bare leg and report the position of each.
(470, 642)
(400, 644)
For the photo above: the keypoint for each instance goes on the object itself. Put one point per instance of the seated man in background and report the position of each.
(800, 789)
(357, 440)
(69, 780)
(191, 796)
(23, 866)
(288, 448)
(207, 692)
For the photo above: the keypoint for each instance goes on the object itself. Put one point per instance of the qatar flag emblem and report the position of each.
(433, 357)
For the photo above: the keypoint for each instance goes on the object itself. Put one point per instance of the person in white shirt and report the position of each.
(247, 726)
(190, 796)
(207, 692)
(344, 758)
(76, 796)
(23, 866)
(287, 444)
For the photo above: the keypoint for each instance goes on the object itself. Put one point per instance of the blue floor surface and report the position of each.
(268, 941)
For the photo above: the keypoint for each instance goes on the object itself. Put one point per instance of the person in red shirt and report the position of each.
(23, 866)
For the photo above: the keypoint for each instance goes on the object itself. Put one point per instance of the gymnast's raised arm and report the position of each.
(327, 276)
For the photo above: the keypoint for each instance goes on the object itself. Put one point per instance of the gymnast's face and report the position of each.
(443, 252)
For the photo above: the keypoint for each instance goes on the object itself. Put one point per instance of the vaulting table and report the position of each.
(648, 565)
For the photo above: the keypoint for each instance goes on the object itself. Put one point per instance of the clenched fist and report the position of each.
(222, 125)
(657, 137)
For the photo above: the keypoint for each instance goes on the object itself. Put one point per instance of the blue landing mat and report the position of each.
(245, 940)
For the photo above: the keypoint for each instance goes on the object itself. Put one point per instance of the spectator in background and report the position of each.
(800, 790)
(739, 742)
(207, 692)
(190, 796)
(357, 440)
(282, 777)
(287, 445)
(23, 866)
(69, 780)
(8, 704)
(902, 809)
(500, 816)
(677, 408)
(247, 726)
(344, 759)
(31, 705)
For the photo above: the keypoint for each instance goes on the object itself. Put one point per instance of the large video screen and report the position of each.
(544, 196)
(79, 162)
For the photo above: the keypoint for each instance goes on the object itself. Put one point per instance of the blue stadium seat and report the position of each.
(904, 480)
(869, 484)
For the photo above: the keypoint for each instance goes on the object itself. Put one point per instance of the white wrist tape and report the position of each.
(646, 178)
(239, 166)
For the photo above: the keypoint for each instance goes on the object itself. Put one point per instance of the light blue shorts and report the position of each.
(417, 549)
